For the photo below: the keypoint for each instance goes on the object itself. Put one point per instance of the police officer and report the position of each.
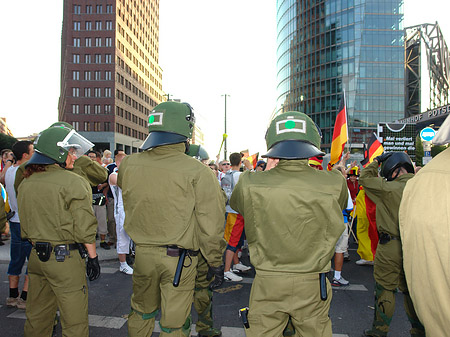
(425, 228)
(56, 216)
(203, 286)
(173, 205)
(293, 219)
(386, 192)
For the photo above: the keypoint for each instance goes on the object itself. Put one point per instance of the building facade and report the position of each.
(328, 47)
(4, 127)
(110, 77)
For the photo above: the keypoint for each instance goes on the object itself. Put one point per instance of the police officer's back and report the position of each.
(173, 204)
(293, 219)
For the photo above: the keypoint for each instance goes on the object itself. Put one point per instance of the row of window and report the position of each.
(96, 126)
(87, 92)
(87, 75)
(88, 58)
(88, 42)
(129, 116)
(129, 131)
(88, 25)
(131, 102)
(96, 109)
(88, 9)
(122, 80)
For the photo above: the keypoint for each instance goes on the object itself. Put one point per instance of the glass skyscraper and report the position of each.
(328, 47)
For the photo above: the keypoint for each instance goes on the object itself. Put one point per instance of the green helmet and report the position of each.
(169, 123)
(293, 135)
(198, 152)
(52, 145)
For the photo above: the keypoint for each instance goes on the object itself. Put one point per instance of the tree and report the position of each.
(419, 151)
(436, 149)
(6, 142)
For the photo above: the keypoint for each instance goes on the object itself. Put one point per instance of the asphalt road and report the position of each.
(109, 303)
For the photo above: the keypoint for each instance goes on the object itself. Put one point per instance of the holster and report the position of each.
(83, 251)
(43, 250)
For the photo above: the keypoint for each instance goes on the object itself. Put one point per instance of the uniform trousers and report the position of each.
(153, 290)
(276, 297)
(56, 285)
(389, 275)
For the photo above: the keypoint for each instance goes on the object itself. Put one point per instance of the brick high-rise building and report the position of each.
(110, 77)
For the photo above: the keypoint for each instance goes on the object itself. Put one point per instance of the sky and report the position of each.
(208, 48)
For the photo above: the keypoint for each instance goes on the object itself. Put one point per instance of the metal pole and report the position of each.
(225, 142)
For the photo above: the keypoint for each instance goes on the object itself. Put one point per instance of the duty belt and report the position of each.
(385, 238)
(44, 250)
(175, 251)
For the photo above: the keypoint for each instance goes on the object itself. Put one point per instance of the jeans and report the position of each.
(20, 250)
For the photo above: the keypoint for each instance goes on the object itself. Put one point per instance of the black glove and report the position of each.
(217, 272)
(383, 157)
(92, 268)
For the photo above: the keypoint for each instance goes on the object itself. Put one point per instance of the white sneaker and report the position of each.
(363, 262)
(240, 267)
(230, 276)
(339, 282)
(126, 269)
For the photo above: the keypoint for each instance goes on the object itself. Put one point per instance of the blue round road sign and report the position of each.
(427, 134)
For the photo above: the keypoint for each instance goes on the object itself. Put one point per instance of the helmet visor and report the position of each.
(76, 143)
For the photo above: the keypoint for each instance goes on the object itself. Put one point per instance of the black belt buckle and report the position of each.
(43, 250)
(61, 251)
(384, 238)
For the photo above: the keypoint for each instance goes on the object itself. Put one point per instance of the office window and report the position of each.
(98, 41)
(109, 9)
(107, 126)
(76, 9)
(107, 92)
(88, 25)
(87, 109)
(108, 42)
(108, 75)
(108, 58)
(87, 58)
(98, 75)
(76, 42)
(76, 126)
(109, 25)
(99, 9)
(75, 75)
(76, 58)
(86, 126)
(98, 25)
(88, 42)
(87, 75)
(76, 92)
(107, 108)
(98, 58)
(97, 92)
(75, 109)
(76, 25)
(87, 92)
(89, 9)
(97, 109)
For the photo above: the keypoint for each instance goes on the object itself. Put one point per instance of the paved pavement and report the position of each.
(109, 302)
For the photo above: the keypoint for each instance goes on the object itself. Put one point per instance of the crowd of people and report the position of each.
(186, 219)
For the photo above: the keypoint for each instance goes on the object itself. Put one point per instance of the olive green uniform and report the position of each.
(388, 263)
(56, 206)
(169, 199)
(293, 219)
(425, 232)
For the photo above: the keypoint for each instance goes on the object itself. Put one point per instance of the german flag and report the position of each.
(374, 149)
(253, 159)
(340, 135)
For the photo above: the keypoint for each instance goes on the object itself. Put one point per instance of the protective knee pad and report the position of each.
(185, 329)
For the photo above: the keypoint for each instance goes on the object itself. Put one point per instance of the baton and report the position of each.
(323, 286)
(180, 264)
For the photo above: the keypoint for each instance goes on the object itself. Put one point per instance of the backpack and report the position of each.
(227, 184)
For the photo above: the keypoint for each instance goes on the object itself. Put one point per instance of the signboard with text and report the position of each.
(398, 138)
